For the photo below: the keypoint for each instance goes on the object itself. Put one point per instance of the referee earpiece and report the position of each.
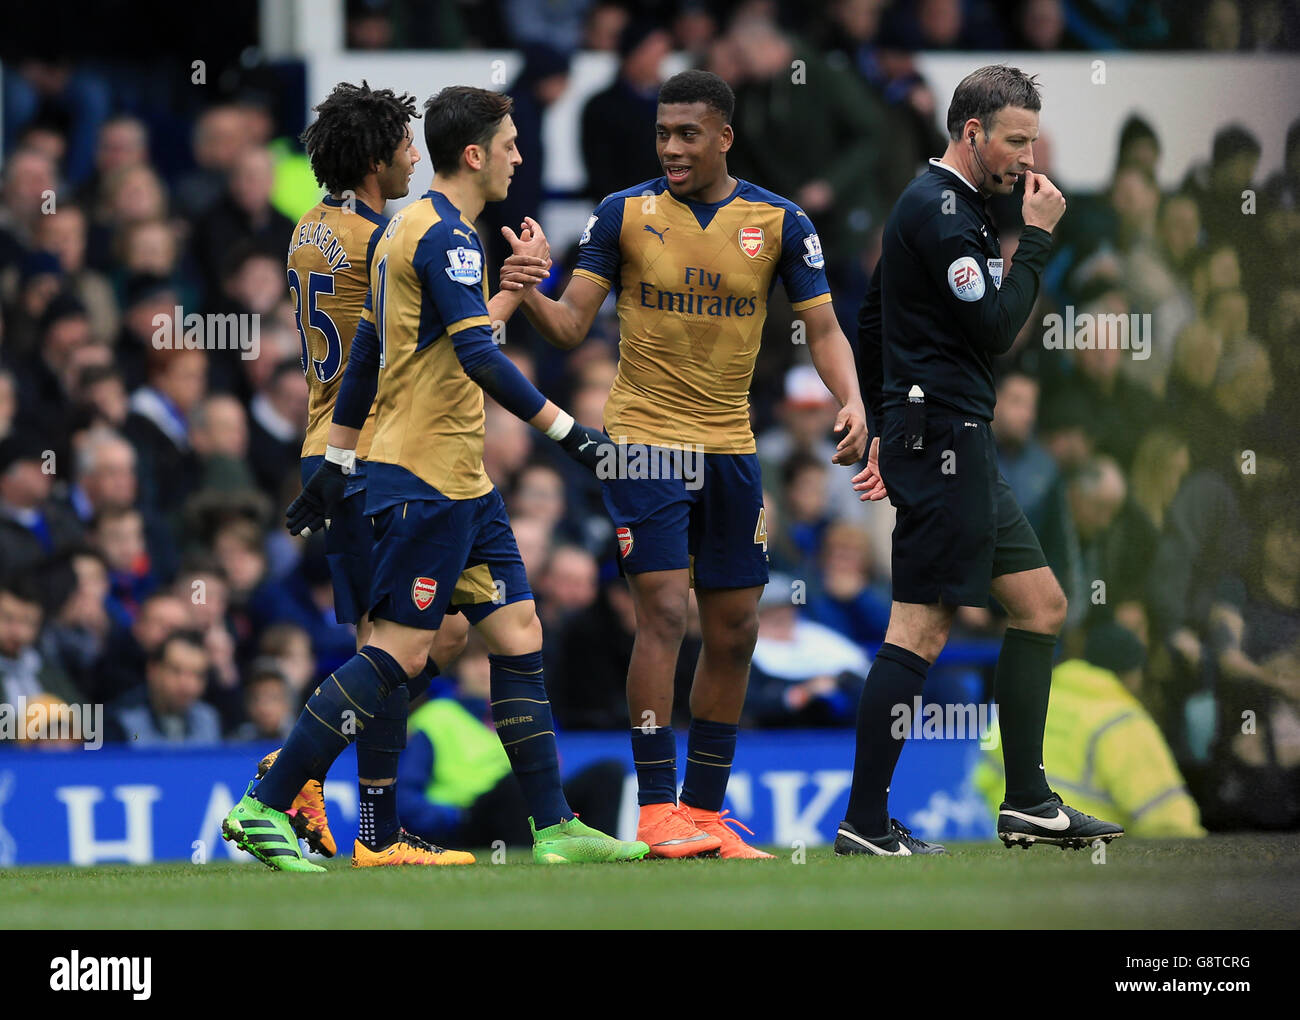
(996, 178)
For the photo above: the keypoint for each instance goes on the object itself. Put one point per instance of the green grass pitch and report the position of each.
(1244, 881)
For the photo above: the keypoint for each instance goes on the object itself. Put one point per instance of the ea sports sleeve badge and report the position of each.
(965, 279)
(465, 265)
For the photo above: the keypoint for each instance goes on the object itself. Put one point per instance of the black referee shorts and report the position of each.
(958, 524)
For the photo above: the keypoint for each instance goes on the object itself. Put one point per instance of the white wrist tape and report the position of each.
(561, 427)
(345, 459)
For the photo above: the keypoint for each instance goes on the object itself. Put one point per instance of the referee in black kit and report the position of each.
(938, 310)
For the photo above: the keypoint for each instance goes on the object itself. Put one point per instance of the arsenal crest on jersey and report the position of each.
(423, 591)
(624, 541)
(751, 240)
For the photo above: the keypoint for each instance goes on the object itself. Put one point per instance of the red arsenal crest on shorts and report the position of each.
(624, 541)
(751, 240)
(423, 591)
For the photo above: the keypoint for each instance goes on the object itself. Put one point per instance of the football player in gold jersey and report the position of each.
(424, 354)
(363, 153)
(692, 257)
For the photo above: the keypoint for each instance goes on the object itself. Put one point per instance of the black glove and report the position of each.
(317, 500)
(585, 445)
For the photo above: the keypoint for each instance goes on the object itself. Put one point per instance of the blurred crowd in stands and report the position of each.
(897, 25)
(143, 562)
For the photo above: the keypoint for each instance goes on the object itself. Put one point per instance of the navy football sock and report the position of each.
(897, 676)
(341, 706)
(379, 746)
(710, 748)
(521, 711)
(1023, 682)
(377, 815)
(654, 753)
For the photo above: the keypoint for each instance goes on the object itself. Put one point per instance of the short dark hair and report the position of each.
(1234, 140)
(200, 562)
(24, 587)
(243, 251)
(113, 513)
(92, 375)
(285, 366)
(984, 92)
(59, 574)
(460, 116)
(1135, 129)
(264, 667)
(700, 87)
(797, 463)
(355, 128)
(63, 306)
(276, 638)
(185, 636)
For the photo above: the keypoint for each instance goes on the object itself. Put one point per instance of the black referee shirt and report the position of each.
(939, 306)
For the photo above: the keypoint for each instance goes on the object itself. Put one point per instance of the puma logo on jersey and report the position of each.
(657, 233)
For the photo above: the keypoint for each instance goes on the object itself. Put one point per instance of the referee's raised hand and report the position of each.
(1044, 205)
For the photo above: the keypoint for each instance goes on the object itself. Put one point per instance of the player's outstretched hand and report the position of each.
(316, 502)
(531, 239)
(1044, 205)
(852, 423)
(586, 445)
(868, 481)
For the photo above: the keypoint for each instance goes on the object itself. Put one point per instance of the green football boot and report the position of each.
(265, 833)
(572, 842)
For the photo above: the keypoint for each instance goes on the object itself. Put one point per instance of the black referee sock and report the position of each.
(1023, 681)
(897, 676)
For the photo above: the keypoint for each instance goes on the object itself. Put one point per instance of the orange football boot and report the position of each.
(716, 823)
(669, 831)
(407, 849)
(307, 812)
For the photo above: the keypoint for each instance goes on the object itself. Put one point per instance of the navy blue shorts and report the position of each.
(347, 545)
(958, 524)
(708, 517)
(432, 557)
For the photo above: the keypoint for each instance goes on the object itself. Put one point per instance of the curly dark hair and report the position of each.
(700, 87)
(355, 128)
